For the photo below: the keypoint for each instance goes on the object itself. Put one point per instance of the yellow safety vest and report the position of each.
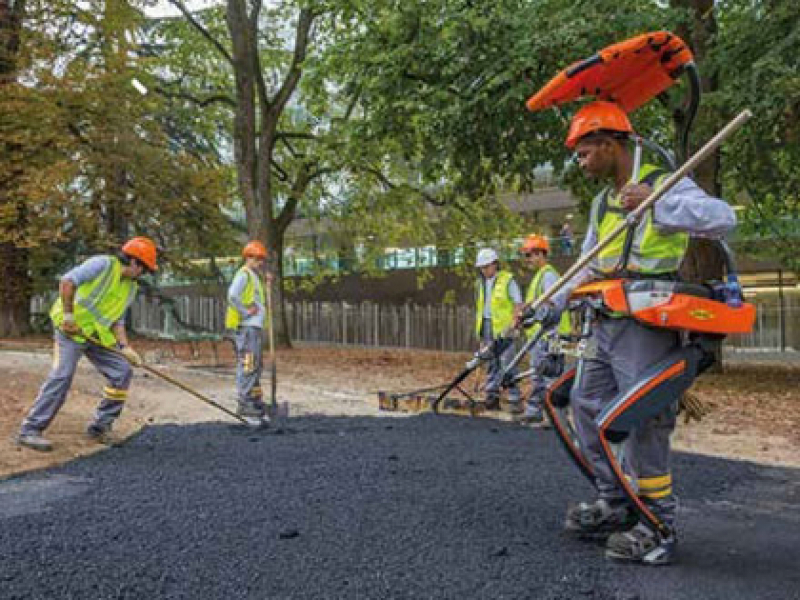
(502, 306)
(99, 304)
(252, 288)
(536, 289)
(651, 252)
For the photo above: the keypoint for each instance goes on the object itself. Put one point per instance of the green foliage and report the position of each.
(757, 61)
(88, 160)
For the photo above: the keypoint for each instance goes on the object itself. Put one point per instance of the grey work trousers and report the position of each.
(496, 366)
(539, 383)
(67, 353)
(623, 350)
(249, 344)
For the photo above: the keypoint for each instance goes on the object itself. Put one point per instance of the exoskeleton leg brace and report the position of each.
(557, 397)
(556, 404)
(658, 390)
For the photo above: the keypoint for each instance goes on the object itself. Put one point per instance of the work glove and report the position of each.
(69, 326)
(131, 355)
(547, 315)
(692, 408)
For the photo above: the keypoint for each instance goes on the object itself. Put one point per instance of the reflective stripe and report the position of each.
(115, 393)
(657, 495)
(655, 487)
(649, 483)
(100, 288)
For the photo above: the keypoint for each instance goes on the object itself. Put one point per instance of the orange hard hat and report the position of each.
(535, 242)
(254, 249)
(143, 249)
(597, 116)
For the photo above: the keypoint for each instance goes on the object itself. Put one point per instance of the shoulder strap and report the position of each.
(650, 179)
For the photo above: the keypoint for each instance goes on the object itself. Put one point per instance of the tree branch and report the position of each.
(202, 102)
(302, 36)
(203, 31)
(388, 184)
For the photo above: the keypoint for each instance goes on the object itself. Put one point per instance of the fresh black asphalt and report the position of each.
(368, 508)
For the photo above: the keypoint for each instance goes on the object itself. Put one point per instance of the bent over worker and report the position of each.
(623, 348)
(546, 366)
(88, 318)
(498, 300)
(246, 316)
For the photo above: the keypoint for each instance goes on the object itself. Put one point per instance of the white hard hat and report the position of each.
(486, 257)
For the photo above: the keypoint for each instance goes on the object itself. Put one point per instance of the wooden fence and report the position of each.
(436, 327)
(443, 327)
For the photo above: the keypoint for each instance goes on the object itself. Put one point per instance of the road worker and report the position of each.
(89, 318)
(546, 366)
(492, 318)
(622, 347)
(246, 316)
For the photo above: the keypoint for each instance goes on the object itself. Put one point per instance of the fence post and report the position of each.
(344, 323)
(377, 324)
(408, 325)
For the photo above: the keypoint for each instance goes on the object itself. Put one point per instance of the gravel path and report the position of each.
(420, 507)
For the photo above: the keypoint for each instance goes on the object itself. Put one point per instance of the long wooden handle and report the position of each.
(174, 382)
(273, 364)
(634, 215)
(192, 391)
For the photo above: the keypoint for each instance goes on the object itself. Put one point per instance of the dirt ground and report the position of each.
(755, 409)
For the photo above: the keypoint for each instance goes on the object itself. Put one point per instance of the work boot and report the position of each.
(643, 545)
(600, 518)
(34, 441)
(533, 415)
(101, 435)
(492, 402)
(514, 408)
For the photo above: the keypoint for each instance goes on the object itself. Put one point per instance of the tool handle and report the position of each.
(173, 381)
(273, 384)
(191, 391)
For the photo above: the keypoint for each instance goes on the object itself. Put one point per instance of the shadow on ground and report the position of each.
(419, 507)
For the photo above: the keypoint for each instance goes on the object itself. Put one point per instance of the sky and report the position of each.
(165, 9)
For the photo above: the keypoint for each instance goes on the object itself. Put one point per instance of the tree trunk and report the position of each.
(15, 291)
(15, 285)
(704, 260)
(275, 266)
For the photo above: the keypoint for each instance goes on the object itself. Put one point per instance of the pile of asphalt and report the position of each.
(419, 507)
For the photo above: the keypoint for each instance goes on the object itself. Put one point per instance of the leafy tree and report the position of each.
(87, 160)
(758, 67)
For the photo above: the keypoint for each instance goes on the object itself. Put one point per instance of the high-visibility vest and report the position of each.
(252, 289)
(502, 305)
(651, 252)
(99, 303)
(536, 289)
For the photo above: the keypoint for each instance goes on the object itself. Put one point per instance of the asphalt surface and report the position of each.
(419, 507)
